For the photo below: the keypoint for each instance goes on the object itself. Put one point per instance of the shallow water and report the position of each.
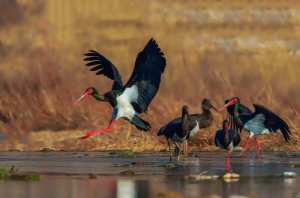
(97, 174)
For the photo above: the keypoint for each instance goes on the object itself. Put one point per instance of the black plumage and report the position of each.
(227, 139)
(149, 66)
(174, 131)
(261, 121)
(134, 97)
(273, 122)
(204, 119)
(187, 123)
(103, 67)
(242, 110)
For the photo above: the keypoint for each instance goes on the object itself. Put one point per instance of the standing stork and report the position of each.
(133, 98)
(227, 139)
(174, 130)
(188, 126)
(261, 121)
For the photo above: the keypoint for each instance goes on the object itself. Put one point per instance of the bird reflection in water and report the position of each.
(127, 188)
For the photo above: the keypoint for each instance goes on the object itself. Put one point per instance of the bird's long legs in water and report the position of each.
(227, 161)
(246, 147)
(110, 128)
(169, 149)
(185, 148)
(179, 150)
(257, 147)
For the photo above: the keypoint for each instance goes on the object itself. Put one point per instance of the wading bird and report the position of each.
(174, 129)
(261, 121)
(188, 126)
(133, 98)
(227, 139)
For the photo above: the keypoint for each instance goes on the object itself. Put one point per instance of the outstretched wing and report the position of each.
(244, 113)
(145, 79)
(273, 122)
(103, 66)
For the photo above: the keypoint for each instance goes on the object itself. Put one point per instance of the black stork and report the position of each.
(261, 121)
(188, 126)
(133, 98)
(227, 139)
(174, 129)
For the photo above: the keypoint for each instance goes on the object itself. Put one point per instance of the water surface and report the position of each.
(100, 174)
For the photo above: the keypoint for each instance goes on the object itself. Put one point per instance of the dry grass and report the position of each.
(214, 49)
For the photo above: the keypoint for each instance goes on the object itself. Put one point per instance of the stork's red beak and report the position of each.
(83, 96)
(231, 102)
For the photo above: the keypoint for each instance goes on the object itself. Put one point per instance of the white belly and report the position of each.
(124, 109)
(194, 130)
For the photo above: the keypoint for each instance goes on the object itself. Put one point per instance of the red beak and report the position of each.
(83, 96)
(231, 102)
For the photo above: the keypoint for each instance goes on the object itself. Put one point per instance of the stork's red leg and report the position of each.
(110, 128)
(257, 147)
(246, 147)
(227, 161)
(185, 148)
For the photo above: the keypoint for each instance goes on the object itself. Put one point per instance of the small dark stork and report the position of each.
(187, 126)
(133, 98)
(227, 139)
(261, 121)
(174, 129)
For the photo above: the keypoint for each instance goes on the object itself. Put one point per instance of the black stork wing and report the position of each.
(103, 66)
(273, 122)
(145, 79)
(168, 130)
(244, 113)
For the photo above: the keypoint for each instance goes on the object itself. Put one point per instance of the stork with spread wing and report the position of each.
(261, 121)
(133, 98)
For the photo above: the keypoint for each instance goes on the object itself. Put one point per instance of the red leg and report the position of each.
(246, 147)
(227, 161)
(257, 147)
(110, 128)
(185, 148)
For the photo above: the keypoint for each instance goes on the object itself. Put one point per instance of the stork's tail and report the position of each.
(161, 131)
(140, 123)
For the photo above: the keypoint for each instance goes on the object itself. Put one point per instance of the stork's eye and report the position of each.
(90, 91)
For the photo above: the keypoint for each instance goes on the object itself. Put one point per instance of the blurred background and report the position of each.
(214, 49)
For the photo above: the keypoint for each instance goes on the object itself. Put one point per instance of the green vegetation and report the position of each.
(13, 174)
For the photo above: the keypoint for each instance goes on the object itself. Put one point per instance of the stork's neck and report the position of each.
(236, 117)
(184, 116)
(206, 111)
(226, 134)
(97, 96)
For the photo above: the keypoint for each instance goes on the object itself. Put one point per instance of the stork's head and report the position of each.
(88, 92)
(232, 101)
(185, 110)
(206, 105)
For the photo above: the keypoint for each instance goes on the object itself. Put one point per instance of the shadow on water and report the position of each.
(97, 174)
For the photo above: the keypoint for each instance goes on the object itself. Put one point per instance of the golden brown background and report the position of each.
(214, 49)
